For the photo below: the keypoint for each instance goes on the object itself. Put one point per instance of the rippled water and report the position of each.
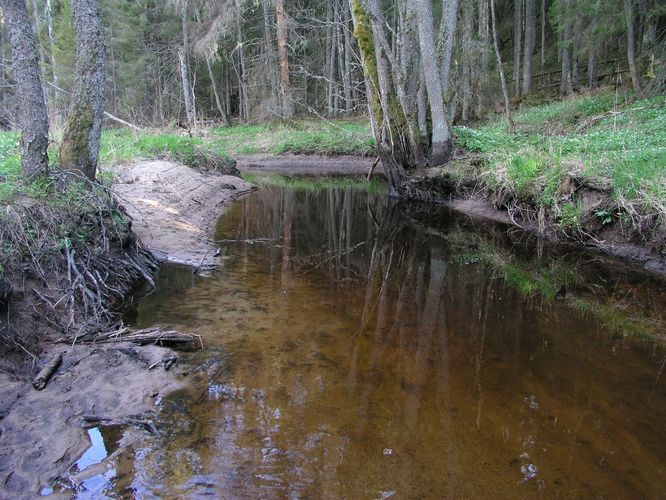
(361, 349)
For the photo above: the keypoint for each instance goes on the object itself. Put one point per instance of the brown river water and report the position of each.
(355, 348)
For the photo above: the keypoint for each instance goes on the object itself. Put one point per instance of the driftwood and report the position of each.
(47, 372)
(156, 336)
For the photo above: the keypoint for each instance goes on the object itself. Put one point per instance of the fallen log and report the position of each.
(155, 336)
(47, 372)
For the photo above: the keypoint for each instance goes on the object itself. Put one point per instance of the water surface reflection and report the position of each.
(359, 349)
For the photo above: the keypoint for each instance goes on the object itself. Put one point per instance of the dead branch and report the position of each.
(47, 372)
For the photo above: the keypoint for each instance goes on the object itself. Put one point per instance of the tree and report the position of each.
(441, 136)
(33, 116)
(530, 42)
(283, 57)
(631, 46)
(80, 145)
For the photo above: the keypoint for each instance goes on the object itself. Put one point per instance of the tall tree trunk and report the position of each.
(33, 116)
(218, 102)
(530, 42)
(448, 33)
(505, 89)
(36, 19)
(517, 43)
(440, 150)
(566, 45)
(83, 130)
(631, 46)
(283, 58)
(484, 39)
(271, 56)
(330, 58)
(467, 57)
(543, 33)
(183, 61)
(48, 12)
(347, 72)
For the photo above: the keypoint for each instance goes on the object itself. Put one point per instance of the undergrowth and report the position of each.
(303, 137)
(605, 140)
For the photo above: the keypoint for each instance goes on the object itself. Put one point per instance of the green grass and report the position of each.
(317, 183)
(305, 137)
(595, 137)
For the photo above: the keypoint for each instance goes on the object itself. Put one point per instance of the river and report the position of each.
(358, 348)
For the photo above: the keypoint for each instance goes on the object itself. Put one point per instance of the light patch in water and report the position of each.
(97, 451)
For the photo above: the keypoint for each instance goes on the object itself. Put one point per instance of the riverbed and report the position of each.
(359, 348)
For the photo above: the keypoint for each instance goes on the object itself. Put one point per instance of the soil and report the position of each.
(174, 208)
(42, 432)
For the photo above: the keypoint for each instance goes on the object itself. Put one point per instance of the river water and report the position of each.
(357, 348)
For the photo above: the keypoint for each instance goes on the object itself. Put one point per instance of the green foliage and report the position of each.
(306, 137)
(571, 216)
(603, 136)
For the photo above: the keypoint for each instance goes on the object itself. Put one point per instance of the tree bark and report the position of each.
(543, 33)
(505, 90)
(530, 42)
(183, 63)
(440, 151)
(33, 116)
(517, 42)
(80, 145)
(48, 11)
(631, 46)
(283, 58)
(448, 32)
(565, 83)
(218, 102)
(271, 56)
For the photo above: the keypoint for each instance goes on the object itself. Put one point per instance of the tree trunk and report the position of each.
(283, 58)
(448, 32)
(441, 147)
(631, 46)
(543, 33)
(183, 61)
(83, 130)
(218, 102)
(530, 42)
(505, 90)
(517, 43)
(330, 59)
(467, 58)
(33, 116)
(347, 73)
(565, 83)
(271, 56)
(48, 11)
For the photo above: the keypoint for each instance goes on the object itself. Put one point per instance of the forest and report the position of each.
(336, 248)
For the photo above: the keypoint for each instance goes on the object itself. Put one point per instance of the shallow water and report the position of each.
(360, 349)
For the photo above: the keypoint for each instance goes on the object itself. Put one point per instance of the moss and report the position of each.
(74, 150)
(363, 33)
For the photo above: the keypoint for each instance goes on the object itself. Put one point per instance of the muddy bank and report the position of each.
(42, 433)
(307, 165)
(610, 241)
(174, 208)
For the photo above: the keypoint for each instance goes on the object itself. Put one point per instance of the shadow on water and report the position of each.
(362, 349)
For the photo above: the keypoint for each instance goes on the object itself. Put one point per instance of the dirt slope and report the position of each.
(175, 208)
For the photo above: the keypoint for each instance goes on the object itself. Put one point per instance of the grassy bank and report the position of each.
(612, 145)
(303, 137)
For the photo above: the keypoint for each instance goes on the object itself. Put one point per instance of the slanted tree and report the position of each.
(33, 116)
